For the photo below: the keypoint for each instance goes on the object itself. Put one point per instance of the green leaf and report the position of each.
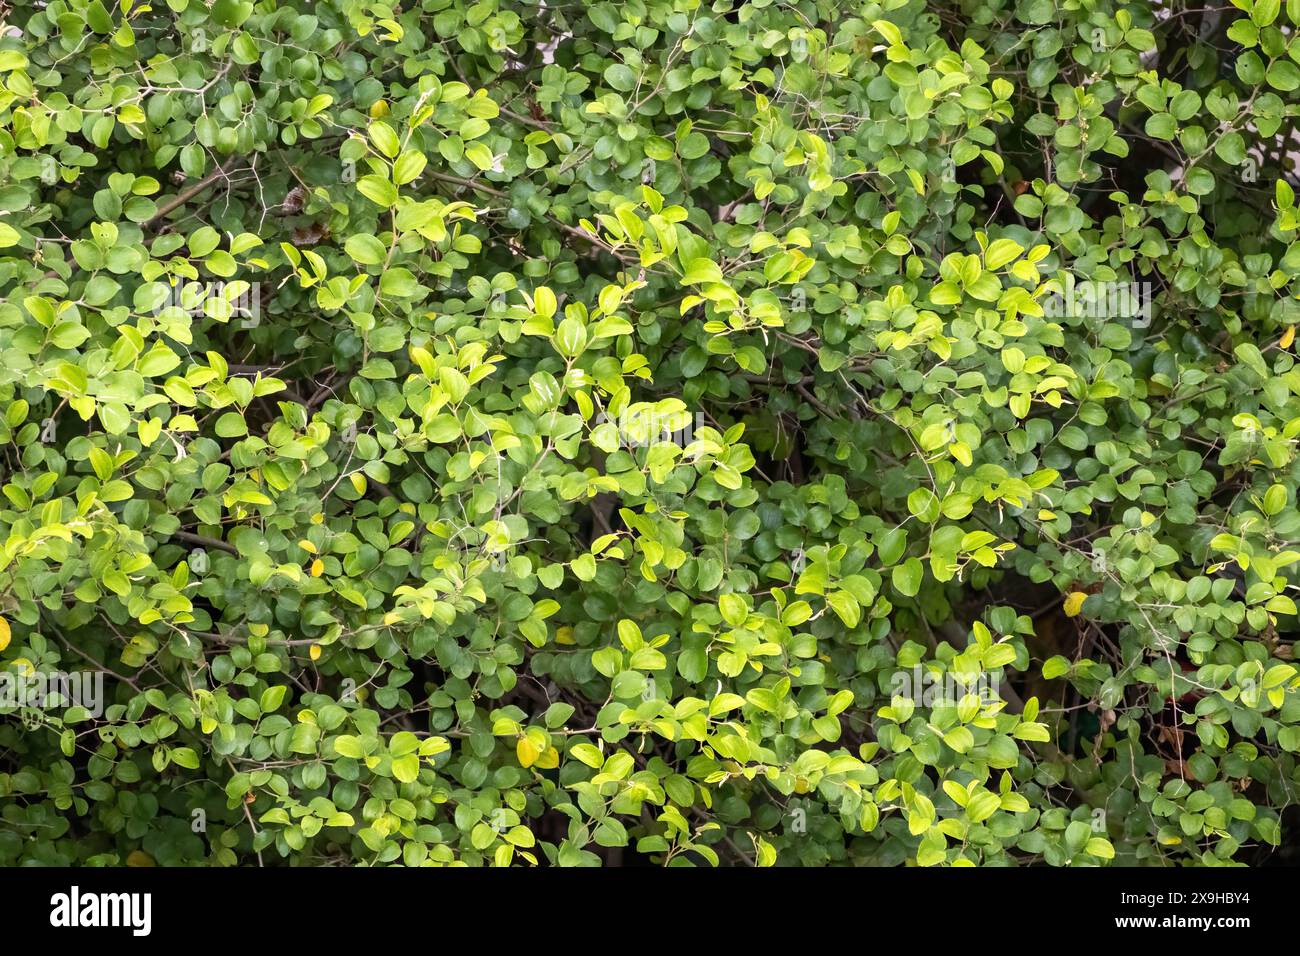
(366, 250)
(406, 768)
(907, 577)
(231, 425)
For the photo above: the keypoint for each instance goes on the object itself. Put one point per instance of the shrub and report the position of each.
(856, 433)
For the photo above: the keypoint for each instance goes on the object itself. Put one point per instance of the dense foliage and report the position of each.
(659, 432)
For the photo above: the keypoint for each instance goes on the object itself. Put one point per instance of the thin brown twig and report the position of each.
(181, 198)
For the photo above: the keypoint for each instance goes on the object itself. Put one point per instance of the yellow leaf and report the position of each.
(5, 634)
(314, 652)
(526, 752)
(564, 635)
(1287, 337)
(139, 858)
(317, 567)
(549, 760)
(1074, 603)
